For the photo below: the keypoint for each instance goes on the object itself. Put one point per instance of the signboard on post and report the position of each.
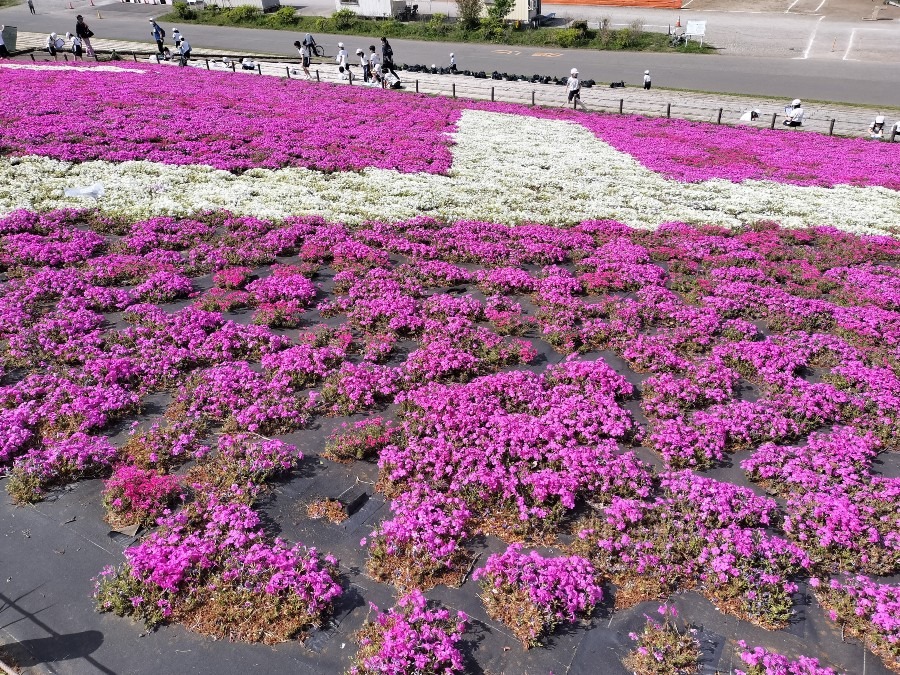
(695, 29)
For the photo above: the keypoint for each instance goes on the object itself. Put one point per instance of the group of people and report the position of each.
(182, 46)
(80, 41)
(375, 69)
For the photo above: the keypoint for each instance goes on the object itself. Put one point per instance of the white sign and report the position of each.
(695, 28)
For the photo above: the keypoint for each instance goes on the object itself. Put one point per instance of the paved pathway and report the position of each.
(778, 75)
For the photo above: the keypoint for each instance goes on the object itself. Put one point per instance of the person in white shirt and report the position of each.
(573, 87)
(341, 58)
(54, 44)
(76, 46)
(794, 113)
(453, 68)
(184, 48)
(176, 37)
(364, 64)
(303, 50)
(877, 127)
(374, 64)
(646, 79)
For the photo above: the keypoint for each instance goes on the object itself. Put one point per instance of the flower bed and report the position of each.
(541, 382)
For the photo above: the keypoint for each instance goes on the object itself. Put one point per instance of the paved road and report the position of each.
(820, 76)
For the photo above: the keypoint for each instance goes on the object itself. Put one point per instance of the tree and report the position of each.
(500, 9)
(469, 12)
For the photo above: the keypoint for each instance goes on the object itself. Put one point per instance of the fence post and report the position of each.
(532, 98)
(207, 63)
(893, 133)
(287, 70)
(621, 105)
(668, 110)
(831, 128)
(259, 69)
(134, 56)
(232, 66)
(454, 90)
(417, 86)
(318, 79)
(719, 121)
(492, 94)
(32, 57)
(774, 117)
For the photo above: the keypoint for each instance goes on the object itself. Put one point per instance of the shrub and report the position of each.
(410, 639)
(183, 11)
(343, 19)
(360, 440)
(137, 496)
(498, 10)
(532, 594)
(567, 38)
(662, 649)
(284, 16)
(243, 14)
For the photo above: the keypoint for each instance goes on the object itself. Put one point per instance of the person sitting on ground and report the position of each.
(248, 64)
(345, 74)
(794, 113)
(877, 127)
(750, 116)
(303, 50)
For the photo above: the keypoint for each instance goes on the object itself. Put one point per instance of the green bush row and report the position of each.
(437, 27)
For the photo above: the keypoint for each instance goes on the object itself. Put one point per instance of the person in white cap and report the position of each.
(54, 44)
(363, 63)
(76, 46)
(341, 58)
(877, 127)
(453, 68)
(794, 114)
(573, 87)
(184, 48)
(646, 79)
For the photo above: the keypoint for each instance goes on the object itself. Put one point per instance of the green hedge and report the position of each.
(345, 22)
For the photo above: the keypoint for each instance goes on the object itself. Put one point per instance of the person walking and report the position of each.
(159, 35)
(646, 79)
(341, 58)
(573, 87)
(303, 50)
(387, 58)
(76, 46)
(364, 64)
(84, 33)
(31, 6)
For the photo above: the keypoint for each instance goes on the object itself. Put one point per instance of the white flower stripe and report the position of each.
(506, 168)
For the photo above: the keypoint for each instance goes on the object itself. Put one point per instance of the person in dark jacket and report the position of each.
(387, 58)
(83, 31)
(158, 35)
